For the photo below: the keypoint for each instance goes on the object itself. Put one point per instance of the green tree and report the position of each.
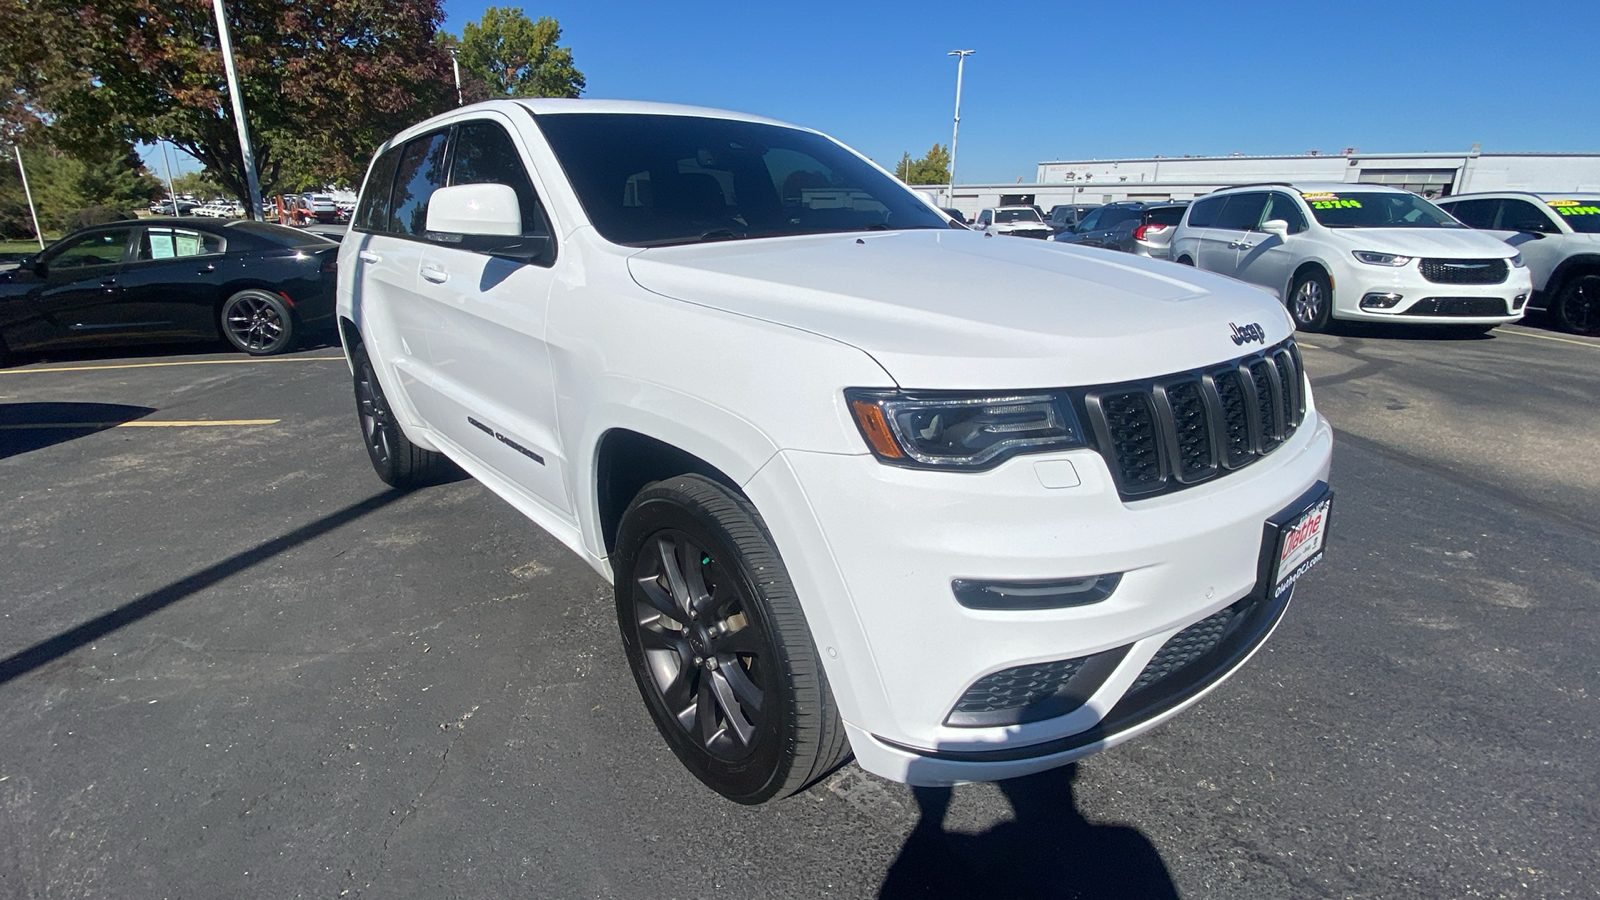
(514, 56)
(323, 81)
(65, 185)
(934, 168)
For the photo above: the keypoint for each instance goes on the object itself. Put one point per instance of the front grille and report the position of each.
(1190, 644)
(1465, 307)
(1464, 271)
(1183, 429)
(1031, 233)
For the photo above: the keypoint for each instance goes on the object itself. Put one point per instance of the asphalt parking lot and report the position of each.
(233, 664)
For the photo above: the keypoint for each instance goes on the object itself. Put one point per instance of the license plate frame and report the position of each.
(1301, 543)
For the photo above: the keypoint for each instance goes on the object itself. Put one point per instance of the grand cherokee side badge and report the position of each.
(1248, 333)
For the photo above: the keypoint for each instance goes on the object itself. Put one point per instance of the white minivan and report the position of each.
(1355, 251)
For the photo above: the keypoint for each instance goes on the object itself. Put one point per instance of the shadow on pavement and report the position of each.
(46, 651)
(25, 427)
(1049, 850)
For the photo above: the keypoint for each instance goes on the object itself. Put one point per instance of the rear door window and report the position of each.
(1204, 212)
(157, 243)
(372, 211)
(1242, 212)
(421, 172)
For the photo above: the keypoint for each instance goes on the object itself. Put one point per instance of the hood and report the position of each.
(1447, 243)
(952, 310)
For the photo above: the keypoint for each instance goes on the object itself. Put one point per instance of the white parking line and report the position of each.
(189, 362)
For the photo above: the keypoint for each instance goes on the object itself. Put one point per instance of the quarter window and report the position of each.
(421, 172)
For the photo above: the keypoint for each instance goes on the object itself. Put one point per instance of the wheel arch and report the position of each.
(626, 461)
(1571, 267)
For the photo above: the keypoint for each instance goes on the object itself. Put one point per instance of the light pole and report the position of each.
(28, 192)
(172, 194)
(238, 112)
(455, 66)
(961, 61)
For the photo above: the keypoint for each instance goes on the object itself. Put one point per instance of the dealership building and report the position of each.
(1097, 181)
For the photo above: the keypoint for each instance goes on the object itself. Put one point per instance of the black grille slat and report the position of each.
(1464, 271)
(1131, 423)
(1457, 306)
(1191, 432)
(1187, 428)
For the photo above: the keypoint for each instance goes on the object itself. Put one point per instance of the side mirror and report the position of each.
(1535, 235)
(1279, 227)
(485, 218)
(33, 264)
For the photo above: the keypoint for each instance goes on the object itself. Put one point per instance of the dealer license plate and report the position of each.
(1300, 545)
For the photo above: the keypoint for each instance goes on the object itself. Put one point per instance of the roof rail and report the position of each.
(1233, 187)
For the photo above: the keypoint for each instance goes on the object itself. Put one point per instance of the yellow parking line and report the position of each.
(189, 362)
(193, 423)
(1549, 337)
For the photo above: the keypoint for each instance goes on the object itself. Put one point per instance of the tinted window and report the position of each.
(102, 248)
(650, 180)
(1164, 215)
(421, 172)
(1282, 206)
(372, 212)
(1112, 216)
(1582, 216)
(1520, 215)
(1242, 212)
(176, 243)
(485, 154)
(1204, 212)
(1016, 215)
(1476, 213)
(1091, 221)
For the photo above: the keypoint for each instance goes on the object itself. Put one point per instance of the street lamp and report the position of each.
(456, 68)
(28, 192)
(961, 61)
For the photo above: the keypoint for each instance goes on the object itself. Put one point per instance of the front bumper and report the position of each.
(876, 551)
(1428, 302)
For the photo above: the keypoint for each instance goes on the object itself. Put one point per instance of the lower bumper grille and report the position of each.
(1464, 307)
(1032, 693)
(1189, 645)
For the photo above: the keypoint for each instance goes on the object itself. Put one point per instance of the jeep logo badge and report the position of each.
(1248, 333)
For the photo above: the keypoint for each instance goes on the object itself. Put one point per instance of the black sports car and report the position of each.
(259, 286)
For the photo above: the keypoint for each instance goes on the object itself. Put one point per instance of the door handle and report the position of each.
(435, 274)
(1244, 246)
(367, 256)
(209, 268)
(108, 282)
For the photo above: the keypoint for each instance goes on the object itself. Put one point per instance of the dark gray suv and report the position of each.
(1144, 229)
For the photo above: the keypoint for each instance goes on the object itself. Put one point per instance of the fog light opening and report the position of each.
(1021, 595)
(1377, 300)
(1520, 301)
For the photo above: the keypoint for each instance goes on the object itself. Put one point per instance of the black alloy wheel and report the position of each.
(1311, 302)
(398, 462)
(258, 322)
(718, 644)
(1577, 308)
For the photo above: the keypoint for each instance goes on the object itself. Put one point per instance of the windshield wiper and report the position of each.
(720, 234)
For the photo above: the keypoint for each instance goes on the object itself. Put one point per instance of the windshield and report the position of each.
(1016, 215)
(1582, 216)
(654, 180)
(1374, 209)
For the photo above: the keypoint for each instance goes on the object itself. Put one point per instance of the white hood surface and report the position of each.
(961, 310)
(1434, 243)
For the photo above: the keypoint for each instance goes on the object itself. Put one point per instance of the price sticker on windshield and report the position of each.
(1574, 208)
(1334, 202)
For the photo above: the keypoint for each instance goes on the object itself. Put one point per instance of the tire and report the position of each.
(1185, 261)
(1577, 307)
(1310, 301)
(718, 644)
(397, 461)
(258, 322)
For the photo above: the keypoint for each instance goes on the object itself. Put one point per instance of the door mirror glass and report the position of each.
(1278, 227)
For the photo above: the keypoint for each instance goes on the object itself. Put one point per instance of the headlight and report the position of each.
(961, 431)
(1516, 262)
(1373, 258)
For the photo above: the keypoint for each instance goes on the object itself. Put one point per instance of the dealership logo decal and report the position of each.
(1248, 333)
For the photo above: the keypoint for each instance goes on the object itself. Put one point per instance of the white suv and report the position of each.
(1559, 237)
(738, 370)
(1355, 251)
(1015, 221)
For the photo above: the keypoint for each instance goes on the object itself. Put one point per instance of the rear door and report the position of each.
(1219, 251)
(170, 285)
(1266, 259)
(493, 392)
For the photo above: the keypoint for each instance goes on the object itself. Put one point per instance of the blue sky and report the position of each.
(1069, 80)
